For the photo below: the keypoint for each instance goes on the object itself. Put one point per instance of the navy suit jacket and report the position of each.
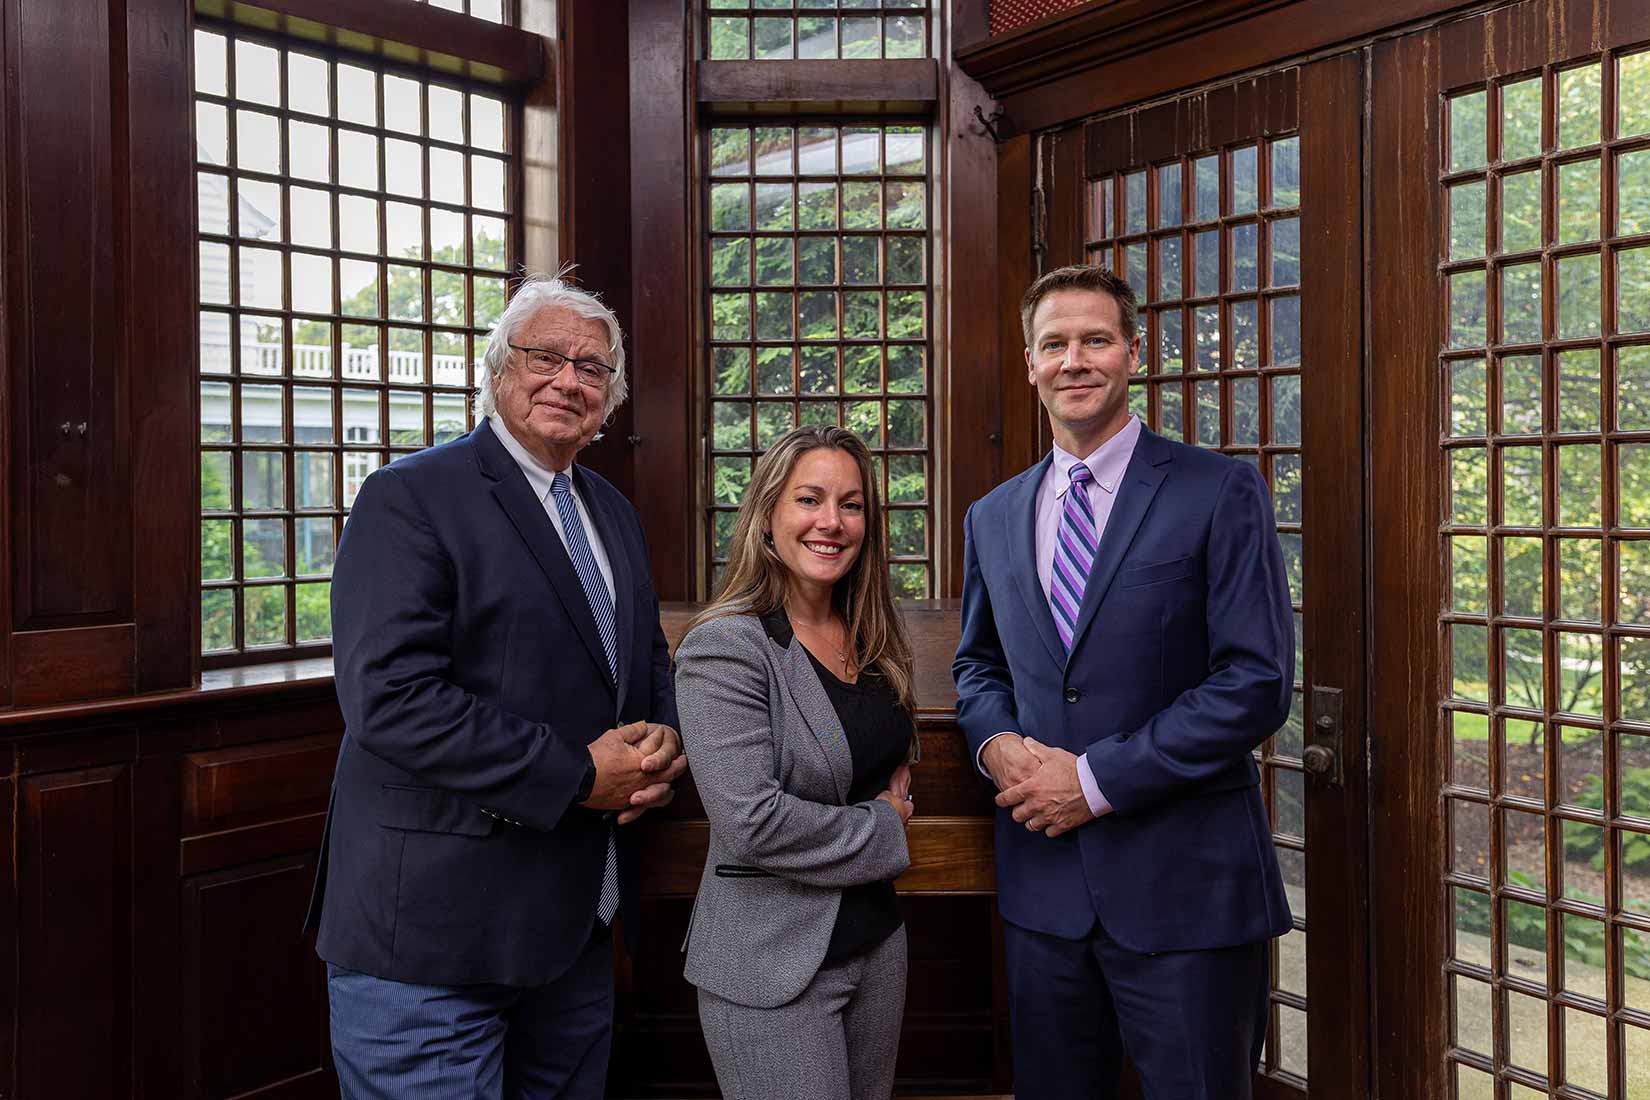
(471, 678)
(1182, 663)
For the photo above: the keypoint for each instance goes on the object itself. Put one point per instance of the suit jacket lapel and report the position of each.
(1022, 543)
(527, 515)
(1147, 468)
(603, 514)
(808, 696)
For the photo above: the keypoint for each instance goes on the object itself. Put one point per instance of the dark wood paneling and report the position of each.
(399, 30)
(255, 1006)
(156, 997)
(255, 784)
(1333, 502)
(74, 939)
(593, 178)
(49, 666)
(71, 508)
(1407, 771)
(159, 281)
(1053, 85)
(819, 86)
(1063, 198)
(1090, 34)
(970, 25)
(968, 291)
(664, 288)
(1015, 272)
(1246, 109)
(10, 910)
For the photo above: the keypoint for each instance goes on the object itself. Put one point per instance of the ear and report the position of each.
(1031, 371)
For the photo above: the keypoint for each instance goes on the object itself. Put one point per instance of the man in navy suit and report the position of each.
(1126, 642)
(508, 710)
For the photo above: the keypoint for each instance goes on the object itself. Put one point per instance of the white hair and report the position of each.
(534, 293)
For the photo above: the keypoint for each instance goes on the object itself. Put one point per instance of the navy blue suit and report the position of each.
(471, 678)
(1182, 662)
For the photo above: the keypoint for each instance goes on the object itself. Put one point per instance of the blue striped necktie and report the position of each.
(601, 607)
(1074, 550)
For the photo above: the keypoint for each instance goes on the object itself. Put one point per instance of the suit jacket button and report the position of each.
(1072, 695)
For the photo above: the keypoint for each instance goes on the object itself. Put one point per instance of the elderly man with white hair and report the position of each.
(508, 710)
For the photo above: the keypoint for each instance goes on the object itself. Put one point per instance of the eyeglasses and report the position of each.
(548, 363)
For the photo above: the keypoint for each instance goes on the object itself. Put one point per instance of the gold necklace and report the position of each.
(841, 656)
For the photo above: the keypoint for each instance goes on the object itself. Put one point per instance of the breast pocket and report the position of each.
(1157, 572)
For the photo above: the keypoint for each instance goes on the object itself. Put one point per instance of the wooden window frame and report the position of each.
(409, 39)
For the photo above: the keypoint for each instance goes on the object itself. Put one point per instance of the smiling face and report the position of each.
(553, 417)
(818, 525)
(1080, 363)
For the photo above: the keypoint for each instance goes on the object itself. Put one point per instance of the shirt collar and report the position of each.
(539, 475)
(1107, 463)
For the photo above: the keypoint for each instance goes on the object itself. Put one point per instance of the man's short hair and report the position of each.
(1081, 277)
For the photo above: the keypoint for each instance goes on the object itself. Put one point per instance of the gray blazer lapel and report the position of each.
(809, 698)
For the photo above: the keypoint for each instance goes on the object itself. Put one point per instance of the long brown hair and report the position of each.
(755, 581)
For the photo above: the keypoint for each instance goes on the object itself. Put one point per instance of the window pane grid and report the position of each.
(817, 255)
(1211, 244)
(807, 30)
(355, 235)
(492, 11)
(1544, 359)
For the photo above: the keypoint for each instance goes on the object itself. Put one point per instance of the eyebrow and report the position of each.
(820, 489)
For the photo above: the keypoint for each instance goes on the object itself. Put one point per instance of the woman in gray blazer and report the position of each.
(794, 689)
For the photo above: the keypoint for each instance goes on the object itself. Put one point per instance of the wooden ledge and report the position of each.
(286, 681)
(852, 87)
(401, 31)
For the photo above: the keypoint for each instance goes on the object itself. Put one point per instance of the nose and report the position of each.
(566, 380)
(830, 518)
(1071, 357)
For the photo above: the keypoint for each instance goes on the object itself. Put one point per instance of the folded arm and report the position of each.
(722, 696)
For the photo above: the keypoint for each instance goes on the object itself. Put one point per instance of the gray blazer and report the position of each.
(772, 766)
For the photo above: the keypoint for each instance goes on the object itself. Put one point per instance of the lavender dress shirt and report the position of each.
(1108, 463)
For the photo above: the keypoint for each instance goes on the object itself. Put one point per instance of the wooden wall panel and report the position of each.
(10, 911)
(71, 508)
(159, 277)
(593, 170)
(255, 1009)
(664, 288)
(99, 373)
(74, 947)
(966, 294)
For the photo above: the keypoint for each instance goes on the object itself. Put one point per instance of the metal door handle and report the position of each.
(1322, 755)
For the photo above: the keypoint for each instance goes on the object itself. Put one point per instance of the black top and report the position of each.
(878, 731)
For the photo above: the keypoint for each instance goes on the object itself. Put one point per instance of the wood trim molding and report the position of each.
(1092, 59)
(415, 34)
(1091, 35)
(819, 86)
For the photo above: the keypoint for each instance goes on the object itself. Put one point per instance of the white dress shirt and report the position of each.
(539, 477)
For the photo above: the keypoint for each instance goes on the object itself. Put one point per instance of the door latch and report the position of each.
(1322, 755)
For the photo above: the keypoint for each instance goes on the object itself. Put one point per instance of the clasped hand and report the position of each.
(1039, 782)
(898, 794)
(635, 767)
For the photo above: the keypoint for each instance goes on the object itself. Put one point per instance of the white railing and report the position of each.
(360, 364)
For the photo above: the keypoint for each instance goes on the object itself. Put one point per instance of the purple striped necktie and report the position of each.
(1074, 550)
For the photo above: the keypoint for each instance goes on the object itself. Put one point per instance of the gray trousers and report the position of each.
(836, 1041)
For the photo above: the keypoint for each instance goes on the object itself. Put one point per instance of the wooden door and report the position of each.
(1235, 212)
(1510, 247)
